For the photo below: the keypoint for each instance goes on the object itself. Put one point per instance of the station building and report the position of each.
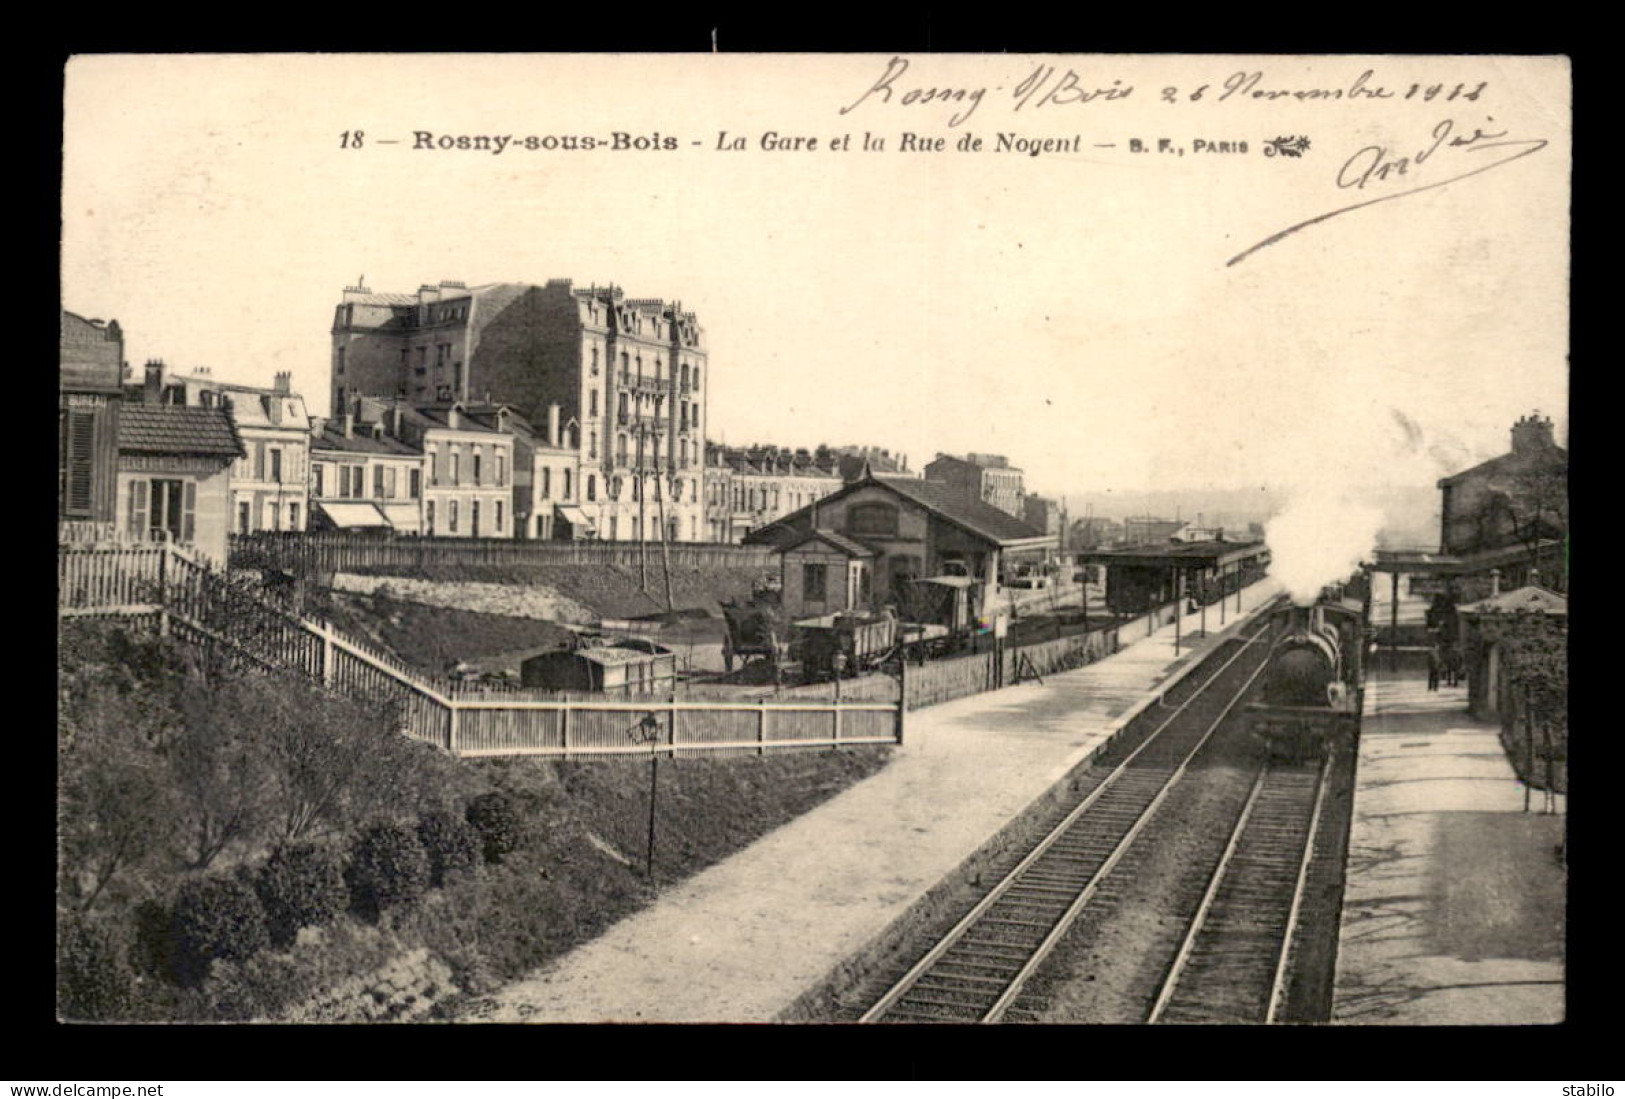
(913, 529)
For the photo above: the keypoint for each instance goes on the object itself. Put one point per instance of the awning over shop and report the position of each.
(405, 518)
(356, 516)
(574, 516)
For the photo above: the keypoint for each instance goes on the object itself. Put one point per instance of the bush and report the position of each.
(450, 842)
(93, 977)
(388, 868)
(493, 817)
(301, 885)
(216, 917)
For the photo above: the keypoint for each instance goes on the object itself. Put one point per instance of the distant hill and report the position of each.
(1411, 511)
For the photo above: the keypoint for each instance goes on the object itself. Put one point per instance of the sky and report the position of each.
(1073, 311)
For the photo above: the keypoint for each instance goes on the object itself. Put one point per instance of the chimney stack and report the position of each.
(396, 419)
(154, 387)
(454, 418)
(284, 382)
(349, 424)
(553, 425)
(1532, 433)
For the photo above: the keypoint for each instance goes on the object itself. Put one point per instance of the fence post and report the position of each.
(451, 726)
(761, 727)
(564, 727)
(902, 698)
(327, 654)
(836, 710)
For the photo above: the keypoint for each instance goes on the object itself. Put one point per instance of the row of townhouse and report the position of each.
(746, 488)
(621, 382)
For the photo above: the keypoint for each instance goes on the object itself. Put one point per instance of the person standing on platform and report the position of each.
(1433, 667)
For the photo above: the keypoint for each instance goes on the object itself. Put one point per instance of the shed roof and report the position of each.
(1176, 555)
(1531, 598)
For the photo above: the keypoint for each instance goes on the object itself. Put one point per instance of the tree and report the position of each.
(301, 885)
(116, 804)
(218, 916)
(1530, 505)
(1534, 650)
(388, 868)
(93, 979)
(334, 761)
(220, 767)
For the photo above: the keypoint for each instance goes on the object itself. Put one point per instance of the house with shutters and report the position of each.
(270, 482)
(363, 476)
(90, 392)
(468, 463)
(174, 475)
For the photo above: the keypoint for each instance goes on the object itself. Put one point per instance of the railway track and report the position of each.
(976, 971)
(1232, 966)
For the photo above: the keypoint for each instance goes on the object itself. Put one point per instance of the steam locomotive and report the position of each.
(1310, 694)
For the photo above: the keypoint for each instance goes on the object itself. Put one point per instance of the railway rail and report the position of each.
(1232, 965)
(977, 971)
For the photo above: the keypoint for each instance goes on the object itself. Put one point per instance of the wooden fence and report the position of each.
(945, 680)
(237, 621)
(304, 552)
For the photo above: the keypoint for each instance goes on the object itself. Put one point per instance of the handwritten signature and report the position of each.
(1375, 165)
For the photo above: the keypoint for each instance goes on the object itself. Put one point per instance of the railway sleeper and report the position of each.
(926, 983)
(1048, 890)
(978, 948)
(927, 1001)
(1003, 921)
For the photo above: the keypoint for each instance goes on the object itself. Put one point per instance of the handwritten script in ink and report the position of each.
(1448, 152)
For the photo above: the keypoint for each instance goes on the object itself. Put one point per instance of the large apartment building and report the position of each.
(629, 377)
(990, 477)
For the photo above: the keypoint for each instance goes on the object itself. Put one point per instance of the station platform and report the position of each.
(1453, 906)
(743, 940)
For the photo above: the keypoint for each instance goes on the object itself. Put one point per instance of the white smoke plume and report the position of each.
(1340, 490)
(1320, 538)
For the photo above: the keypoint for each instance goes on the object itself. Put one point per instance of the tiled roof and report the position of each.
(436, 416)
(177, 429)
(361, 442)
(958, 505)
(839, 541)
(951, 502)
(1552, 458)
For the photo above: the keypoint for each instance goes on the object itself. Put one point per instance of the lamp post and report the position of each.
(648, 731)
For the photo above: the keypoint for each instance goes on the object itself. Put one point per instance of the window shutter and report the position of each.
(138, 507)
(189, 526)
(81, 459)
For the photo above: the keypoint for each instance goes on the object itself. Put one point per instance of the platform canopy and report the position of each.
(1416, 562)
(1176, 555)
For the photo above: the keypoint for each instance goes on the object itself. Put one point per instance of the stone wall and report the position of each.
(403, 991)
